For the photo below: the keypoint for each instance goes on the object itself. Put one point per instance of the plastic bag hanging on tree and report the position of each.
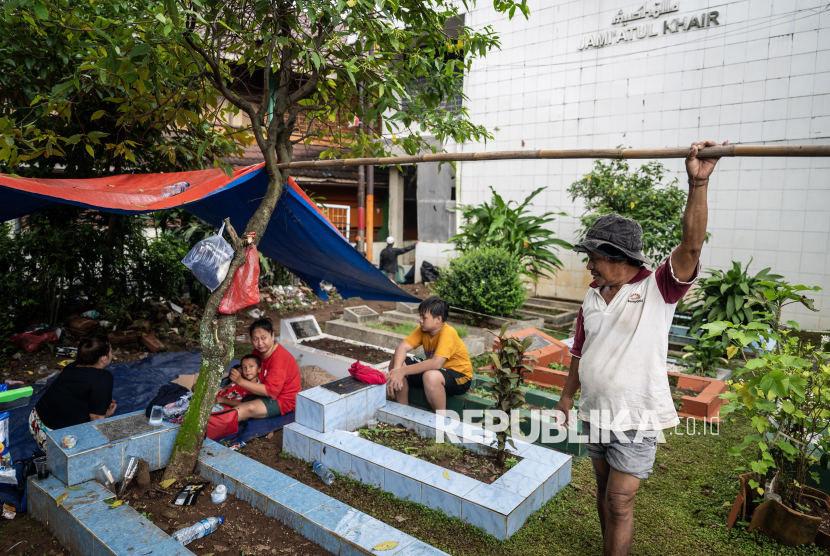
(244, 288)
(210, 259)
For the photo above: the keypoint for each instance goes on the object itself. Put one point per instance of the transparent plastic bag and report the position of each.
(210, 259)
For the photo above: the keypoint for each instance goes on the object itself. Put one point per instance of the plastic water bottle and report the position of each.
(323, 472)
(205, 527)
(175, 189)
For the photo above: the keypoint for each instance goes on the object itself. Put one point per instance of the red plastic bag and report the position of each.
(31, 342)
(222, 423)
(367, 374)
(244, 288)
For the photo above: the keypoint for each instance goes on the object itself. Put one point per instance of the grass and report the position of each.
(407, 328)
(558, 334)
(680, 510)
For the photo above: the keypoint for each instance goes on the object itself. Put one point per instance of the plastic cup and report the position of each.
(219, 494)
(42, 468)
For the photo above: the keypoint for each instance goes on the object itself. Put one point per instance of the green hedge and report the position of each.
(487, 281)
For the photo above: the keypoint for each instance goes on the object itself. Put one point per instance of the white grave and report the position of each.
(360, 314)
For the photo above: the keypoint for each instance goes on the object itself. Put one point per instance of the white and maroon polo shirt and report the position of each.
(622, 349)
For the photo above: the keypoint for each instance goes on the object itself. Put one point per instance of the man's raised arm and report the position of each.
(685, 258)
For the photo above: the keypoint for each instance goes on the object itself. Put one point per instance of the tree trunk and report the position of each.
(216, 334)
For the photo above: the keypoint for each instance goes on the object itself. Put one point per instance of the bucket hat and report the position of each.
(613, 230)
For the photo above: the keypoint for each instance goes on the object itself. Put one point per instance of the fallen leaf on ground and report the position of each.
(220, 548)
(386, 545)
(74, 488)
(170, 514)
(400, 518)
(446, 475)
(115, 504)
(62, 497)
(661, 466)
(166, 483)
(270, 435)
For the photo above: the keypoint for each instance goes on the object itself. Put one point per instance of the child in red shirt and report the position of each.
(231, 396)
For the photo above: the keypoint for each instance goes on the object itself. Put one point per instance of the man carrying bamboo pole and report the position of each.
(620, 351)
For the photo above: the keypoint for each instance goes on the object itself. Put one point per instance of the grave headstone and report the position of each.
(408, 308)
(299, 328)
(360, 315)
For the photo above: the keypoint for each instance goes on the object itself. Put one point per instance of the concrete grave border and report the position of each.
(500, 508)
(87, 526)
(336, 365)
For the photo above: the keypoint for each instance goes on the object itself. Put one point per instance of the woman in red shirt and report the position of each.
(279, 379)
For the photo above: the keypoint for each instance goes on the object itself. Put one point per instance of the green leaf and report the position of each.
(787, 406)
(98, 114)
(90, 151)
(40, 11)
(786, 447)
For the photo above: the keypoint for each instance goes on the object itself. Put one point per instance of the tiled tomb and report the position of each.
(499, 508)
(295, 331)
(87, 526)
(73, 466)
(323, 410)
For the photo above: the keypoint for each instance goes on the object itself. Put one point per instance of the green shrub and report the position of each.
(484, 282)
(613, 187)
(723, 296)
(510, 226)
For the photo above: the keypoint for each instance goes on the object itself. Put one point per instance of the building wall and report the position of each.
(760, 75)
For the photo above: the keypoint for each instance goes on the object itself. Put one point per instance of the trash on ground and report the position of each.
(323, 472)
(8, 512)
(219, 494)
(187, 496)
(203, 528)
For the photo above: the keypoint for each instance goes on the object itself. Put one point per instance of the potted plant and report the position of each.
(785, 393)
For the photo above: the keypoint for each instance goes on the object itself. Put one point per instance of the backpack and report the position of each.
(222, 423)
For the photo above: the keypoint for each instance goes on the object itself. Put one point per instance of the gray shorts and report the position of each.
(634, 458)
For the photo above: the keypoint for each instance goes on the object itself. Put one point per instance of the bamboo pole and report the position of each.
(679, 152)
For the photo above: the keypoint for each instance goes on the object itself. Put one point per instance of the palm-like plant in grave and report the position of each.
(509, 367)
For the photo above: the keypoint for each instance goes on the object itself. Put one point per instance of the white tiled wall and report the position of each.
(760, 77)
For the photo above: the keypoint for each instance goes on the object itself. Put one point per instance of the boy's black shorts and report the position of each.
(451, 385)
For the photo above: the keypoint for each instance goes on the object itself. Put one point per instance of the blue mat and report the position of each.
(135, 385)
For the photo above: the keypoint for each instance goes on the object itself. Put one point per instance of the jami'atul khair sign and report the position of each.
(647, 29)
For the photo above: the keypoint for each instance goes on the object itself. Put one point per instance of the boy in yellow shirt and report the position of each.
(447, 370)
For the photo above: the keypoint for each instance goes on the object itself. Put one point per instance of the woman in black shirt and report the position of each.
(81, 393)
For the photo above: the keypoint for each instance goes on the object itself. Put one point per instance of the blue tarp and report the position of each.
(298, 236)
(135, 384)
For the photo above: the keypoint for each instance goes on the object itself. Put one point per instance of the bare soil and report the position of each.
(365, 354)
(26, 535)
(447, 455)
(246, 530)
(323, 310)
(27, 368)
(817, 510)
